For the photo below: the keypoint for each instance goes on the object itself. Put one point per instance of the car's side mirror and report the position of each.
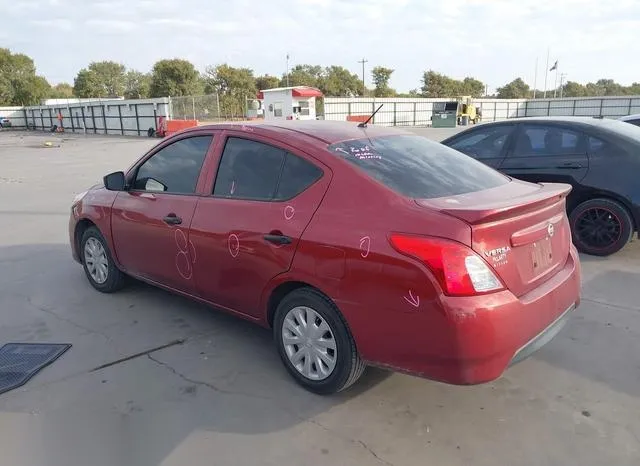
(115, 181)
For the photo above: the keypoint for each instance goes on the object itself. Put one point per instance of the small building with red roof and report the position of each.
(289, 103)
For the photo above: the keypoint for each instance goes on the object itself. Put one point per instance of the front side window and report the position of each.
(418, 168)
(174, 168)
(542, 140)
(484, 143)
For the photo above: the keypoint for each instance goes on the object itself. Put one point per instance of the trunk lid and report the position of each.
(521, 229)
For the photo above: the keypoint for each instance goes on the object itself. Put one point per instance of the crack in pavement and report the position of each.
(352, 440)
(616, 306)
(49, 311)
(202, 383)
(216, 389)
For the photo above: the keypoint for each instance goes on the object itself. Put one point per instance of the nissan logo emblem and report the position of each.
(550, 229)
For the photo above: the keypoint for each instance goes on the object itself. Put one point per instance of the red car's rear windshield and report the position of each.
(417, 167)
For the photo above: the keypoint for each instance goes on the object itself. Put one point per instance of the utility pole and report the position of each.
(562, 76)
(535, 79)
(287, 76)
(546, 73)
(363, 61)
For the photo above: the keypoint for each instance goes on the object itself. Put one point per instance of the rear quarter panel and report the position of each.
(345, 253)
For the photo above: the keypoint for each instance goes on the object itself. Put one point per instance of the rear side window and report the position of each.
(542, 140)
(297, 175)
(418, 168)
(248, 170)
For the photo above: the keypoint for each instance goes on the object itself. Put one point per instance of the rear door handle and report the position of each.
(277, 239)
(570, 165)
(172, 219)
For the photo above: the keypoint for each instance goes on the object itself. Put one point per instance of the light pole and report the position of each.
(287, 70)
(363, 61)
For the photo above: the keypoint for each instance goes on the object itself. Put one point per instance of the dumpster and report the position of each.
(444, 114)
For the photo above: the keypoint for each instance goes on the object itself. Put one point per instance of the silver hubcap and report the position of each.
(96, 259)
(309, 343)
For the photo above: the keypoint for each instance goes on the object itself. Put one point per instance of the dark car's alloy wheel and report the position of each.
(314, 342)
(98, 263)
(601, 227)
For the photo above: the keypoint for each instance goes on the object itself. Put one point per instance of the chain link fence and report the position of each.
(209, 108)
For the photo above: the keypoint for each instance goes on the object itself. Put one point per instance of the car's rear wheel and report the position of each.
(314, 342)
(98, 262)
(601, 227)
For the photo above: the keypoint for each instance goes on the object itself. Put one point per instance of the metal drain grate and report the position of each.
(21, 361)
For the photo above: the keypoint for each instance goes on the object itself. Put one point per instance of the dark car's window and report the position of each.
(297, 175)
(174, 168)
(547, 141)
(416, 167)
(483, 143)
(248, 170)
(635, 122)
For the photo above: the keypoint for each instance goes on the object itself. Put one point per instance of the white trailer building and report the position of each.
(290, 103)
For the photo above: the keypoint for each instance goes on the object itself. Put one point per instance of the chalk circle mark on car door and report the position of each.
(150, 220)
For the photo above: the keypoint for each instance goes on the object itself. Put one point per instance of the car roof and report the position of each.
(328, 132)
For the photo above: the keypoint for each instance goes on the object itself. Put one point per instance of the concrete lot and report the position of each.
(223, 398)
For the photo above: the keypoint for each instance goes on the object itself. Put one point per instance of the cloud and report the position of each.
(111, 25)
(493, 40)
(53, 23)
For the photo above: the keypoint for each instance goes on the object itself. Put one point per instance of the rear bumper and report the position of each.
(473, 340)
(543, 337)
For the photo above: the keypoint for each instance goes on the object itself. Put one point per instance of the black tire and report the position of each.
(349, 367)
(115, 278)
(601, 227)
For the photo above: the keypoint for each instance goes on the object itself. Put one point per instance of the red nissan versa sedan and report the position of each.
(357, 245)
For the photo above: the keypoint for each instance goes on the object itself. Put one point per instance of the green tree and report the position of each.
(303, 75)
(267, 82)
(516, 89)
(100, 79)
(137, 85)
(337, 81)
(472, 86)
(19, 84)
(175, 77)
(61, 91)
(86, 84)
(438, 85)
(573, 89)
(381, 77)
(31, 90)
(233, 86)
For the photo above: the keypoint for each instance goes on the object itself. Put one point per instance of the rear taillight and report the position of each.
(459, 270)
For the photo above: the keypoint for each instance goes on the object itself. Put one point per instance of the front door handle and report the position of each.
(172, 219)
(277, 239)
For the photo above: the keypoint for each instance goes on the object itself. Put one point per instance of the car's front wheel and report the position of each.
(600, 227)
(98, 262)
(314, 342)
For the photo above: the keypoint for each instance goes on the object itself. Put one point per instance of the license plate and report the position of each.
(541, 256)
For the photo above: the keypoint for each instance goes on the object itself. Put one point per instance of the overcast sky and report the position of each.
(493, 40)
